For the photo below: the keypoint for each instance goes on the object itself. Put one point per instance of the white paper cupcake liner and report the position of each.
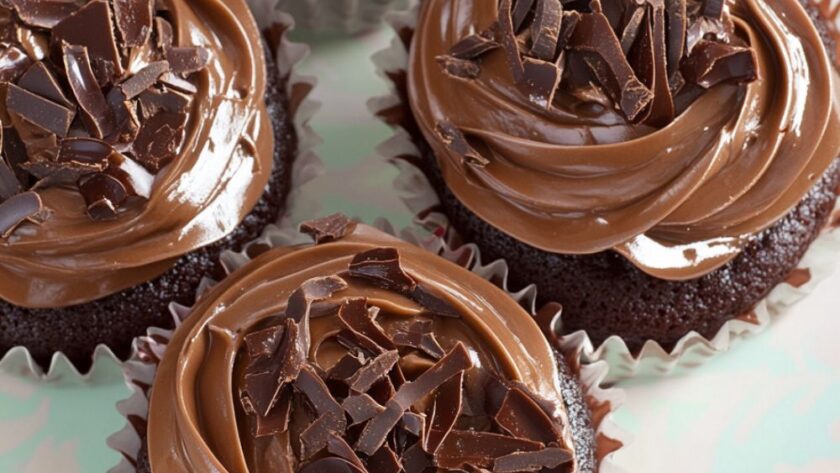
(306, 166)
(652, 360)
(148, 352)
(348, 16)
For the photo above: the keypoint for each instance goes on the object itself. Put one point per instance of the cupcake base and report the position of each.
(605, 295)
(117, 319)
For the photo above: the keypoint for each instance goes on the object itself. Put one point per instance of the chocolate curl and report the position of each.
(375, 432)
(545, 30)
(593, 38)
(18, 209)
(508, 40)
(712, 8)
(712, 63)
(649, 58)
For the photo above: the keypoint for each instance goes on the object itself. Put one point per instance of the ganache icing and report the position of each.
(360, 354)
(671, 131)
(134, 131)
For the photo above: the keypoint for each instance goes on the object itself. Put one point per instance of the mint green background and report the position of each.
(771, 405)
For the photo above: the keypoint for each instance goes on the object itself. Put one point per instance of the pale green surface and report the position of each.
(772, 405)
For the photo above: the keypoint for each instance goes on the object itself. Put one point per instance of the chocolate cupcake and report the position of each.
(140, 140)
(657, 169)
(361, 353)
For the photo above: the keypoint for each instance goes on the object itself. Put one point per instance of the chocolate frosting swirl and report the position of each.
(212, 379)
(220, 172)
(678, 201)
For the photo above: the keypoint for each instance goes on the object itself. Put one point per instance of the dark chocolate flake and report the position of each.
(508, 39)
(522, 417)
(540, 81)
(517, 462)
(187, 60)
(327, 229)
(339, 447)
(369, 374)
(76, 30)
(36, 109)
(382, 267)
(459, 68)
(44, 13)
(479, 449)
(712, 8)
(18, 209)
(457, 142)
(375, 432)
(385, 461)
(361, 407)
(39, 80)
(97, 115)
(103, 194)
(601, 50)
(474, 46)
(448, 403)
(712, 63)
(158, 140)
(134, 20)
(9, 183)
(145, 78)
(13, 63)
(545, 30)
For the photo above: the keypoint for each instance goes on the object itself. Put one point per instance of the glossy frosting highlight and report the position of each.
(220, 173)
(678, 202)
(195, 422)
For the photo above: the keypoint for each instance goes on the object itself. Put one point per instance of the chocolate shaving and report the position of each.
(516, 462)
(355, 315)
(18, 209)
(327, 229)
(712, 63)
(154, 101)
(540, 81)
(372, 437)
(632, 29)
(474, 46)
(420, 336)
(185, 61)
(102, 47)
(459, 68)
(40, 81)
(13, 63)
(382, 268)
(447, 408)
(455, 140)
(522, 417)
(39, 111)
(479, 449)
(9, 183)
(98, 117)
(163, 34)
(545, 30)
(361, 407)
(385, 461)
(521, 11)
(339, 447)
(712, 8)
(369, 374)
(158, 140)
(413, 423)
(144, 79)
(44, 13)
(134, 20)
(432, 303)
(602, 53)
(676, 11)
(507, 31)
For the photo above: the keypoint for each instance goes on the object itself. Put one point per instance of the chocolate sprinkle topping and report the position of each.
(639, 53)
(17, 209)
(69, 93)
(364, 414)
